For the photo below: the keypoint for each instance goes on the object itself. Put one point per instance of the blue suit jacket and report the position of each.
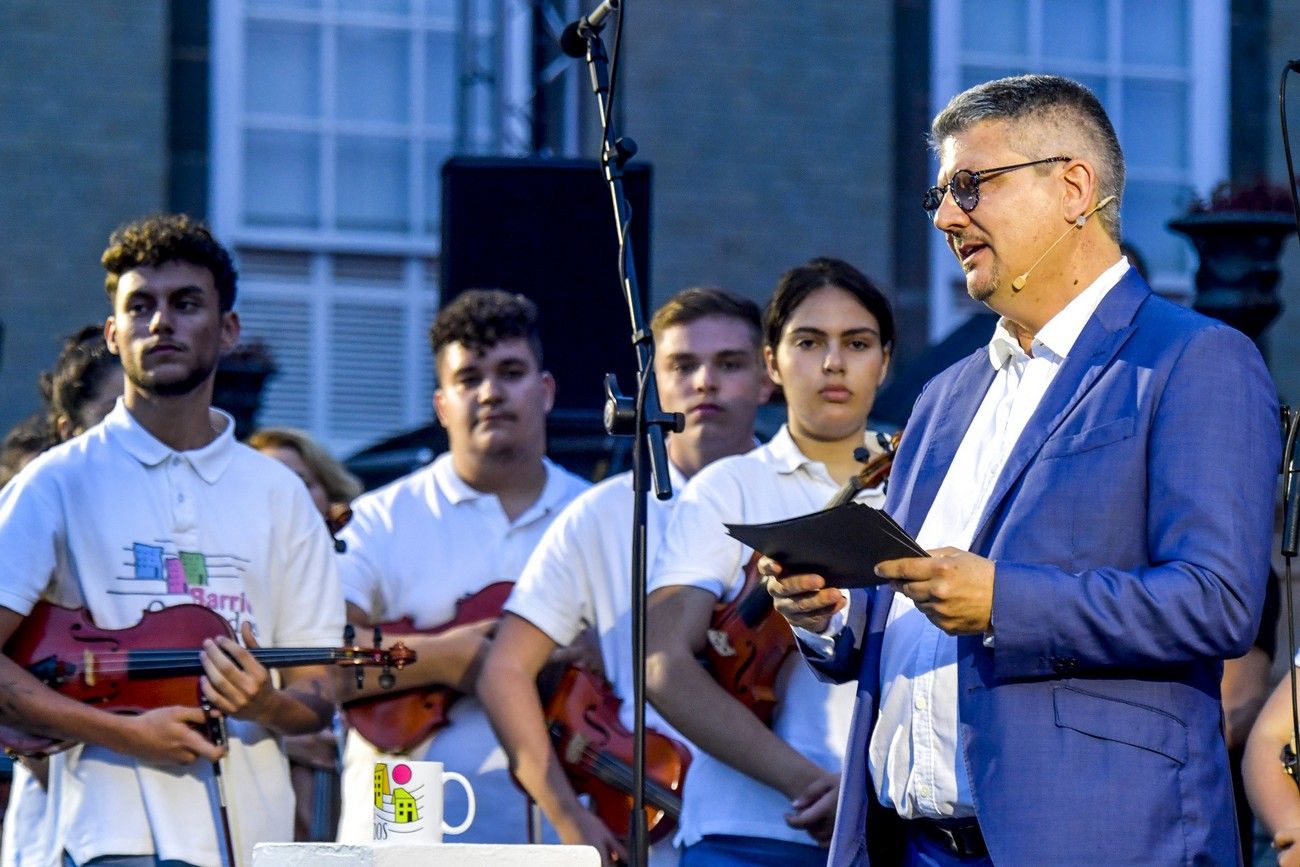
(1131, 530)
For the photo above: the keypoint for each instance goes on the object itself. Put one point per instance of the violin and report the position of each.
(748, 641)
(595, 749)
(397, 722)
(156, 663)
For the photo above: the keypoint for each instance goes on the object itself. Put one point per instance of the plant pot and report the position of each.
(1236, 281)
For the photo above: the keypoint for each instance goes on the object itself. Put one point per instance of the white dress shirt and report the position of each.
(913, 754)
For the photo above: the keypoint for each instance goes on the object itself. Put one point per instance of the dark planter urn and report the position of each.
(1236, 281)
(238, 388)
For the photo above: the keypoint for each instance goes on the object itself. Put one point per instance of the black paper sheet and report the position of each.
(843, 544)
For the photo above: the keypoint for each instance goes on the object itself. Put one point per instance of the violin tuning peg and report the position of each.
(378, 637)
(349, 635)
(361, 676)
(386, 679)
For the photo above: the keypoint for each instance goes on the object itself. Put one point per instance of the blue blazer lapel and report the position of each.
(1107, 330)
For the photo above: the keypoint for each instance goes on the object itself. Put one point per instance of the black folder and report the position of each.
(842, 544)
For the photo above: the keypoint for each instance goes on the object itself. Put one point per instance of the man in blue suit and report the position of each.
(1095, 490)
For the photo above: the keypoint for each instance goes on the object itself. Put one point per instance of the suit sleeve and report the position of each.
(1213, 453)
(845, 661)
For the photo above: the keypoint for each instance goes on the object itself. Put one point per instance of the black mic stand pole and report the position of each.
(643, 418)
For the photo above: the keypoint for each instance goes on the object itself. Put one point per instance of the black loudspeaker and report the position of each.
(545, 228)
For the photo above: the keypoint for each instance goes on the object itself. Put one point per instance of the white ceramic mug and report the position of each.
(408, 802)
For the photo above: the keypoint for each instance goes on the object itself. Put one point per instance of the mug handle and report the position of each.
(469, 795)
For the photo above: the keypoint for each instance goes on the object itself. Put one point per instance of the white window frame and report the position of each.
(1208, 37)
(419, 249)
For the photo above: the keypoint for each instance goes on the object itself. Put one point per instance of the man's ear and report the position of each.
(437, 405)
(769, 361)
(110, 335)
(548, 389)
(230, 330)
(1080, 188)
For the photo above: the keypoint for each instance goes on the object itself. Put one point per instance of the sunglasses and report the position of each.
(965, 185)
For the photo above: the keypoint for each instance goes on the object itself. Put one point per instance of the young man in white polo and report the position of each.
(418, 546)
(709, 366)
(155, 507)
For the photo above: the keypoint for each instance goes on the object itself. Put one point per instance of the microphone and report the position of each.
(573, 41)
(1019, 283)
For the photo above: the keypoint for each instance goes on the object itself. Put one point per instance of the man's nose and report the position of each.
(706, 378)
(949, 216)
(160, 321)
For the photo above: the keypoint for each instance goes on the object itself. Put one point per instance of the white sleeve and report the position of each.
(32, 530)
(554, 591)
(310, 574)
(361, 566)
(696, 551)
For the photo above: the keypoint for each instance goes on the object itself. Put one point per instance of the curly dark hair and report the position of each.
(165, 238)
(800, 282)
(77, 375)
(22, 442)
(481, 318)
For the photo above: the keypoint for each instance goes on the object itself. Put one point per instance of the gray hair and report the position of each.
(1064, 111)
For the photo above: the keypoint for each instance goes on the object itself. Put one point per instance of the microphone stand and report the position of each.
(643, 418)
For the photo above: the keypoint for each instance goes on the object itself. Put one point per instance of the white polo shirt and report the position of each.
(414, 549)
(771, 483)
(117, 521)
(580, 576)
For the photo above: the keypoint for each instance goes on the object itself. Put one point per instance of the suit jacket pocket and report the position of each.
(1092, 438)
(1125, 722)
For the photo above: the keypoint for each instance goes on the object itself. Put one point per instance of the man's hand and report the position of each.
(814, 810)
(168, 736)
(584, 828)
(234, 681)
(953, 588)
(1288, 853)
(803, 600)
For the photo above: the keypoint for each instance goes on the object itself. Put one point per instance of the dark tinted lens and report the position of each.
(965, 190)
(933, 196)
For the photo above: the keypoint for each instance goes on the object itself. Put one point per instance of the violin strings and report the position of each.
(616, 772)
(179, 658)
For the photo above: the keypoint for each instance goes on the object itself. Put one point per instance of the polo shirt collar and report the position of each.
(209, 462)
(458, 491)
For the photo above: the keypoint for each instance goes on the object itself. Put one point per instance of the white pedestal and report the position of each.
(445, 855)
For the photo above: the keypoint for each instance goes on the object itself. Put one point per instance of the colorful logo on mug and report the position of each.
(392, 801)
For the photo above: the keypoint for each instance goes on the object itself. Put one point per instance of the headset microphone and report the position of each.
(1019, 283)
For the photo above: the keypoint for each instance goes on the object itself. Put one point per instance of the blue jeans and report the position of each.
(124, 861)
(724, 850)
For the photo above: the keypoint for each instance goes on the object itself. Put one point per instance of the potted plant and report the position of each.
(1238, 234)
(241, 374)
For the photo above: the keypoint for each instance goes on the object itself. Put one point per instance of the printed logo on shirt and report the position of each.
(163, 571)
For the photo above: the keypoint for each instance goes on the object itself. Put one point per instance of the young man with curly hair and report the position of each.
(159, 506)
(418, 546)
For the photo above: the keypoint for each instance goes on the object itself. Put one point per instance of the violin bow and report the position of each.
(1290, 547)
(216, 724)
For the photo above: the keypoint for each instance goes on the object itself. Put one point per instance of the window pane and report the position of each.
(435, 154)
(372, 184)
(1155, 31)
(374, 72)
(995, 26)
(440, 89)
(1148, 205)
(1154, 127)
(1073, 30)
(282, 69)
(281, 179)
(283, 4)
(396, 7)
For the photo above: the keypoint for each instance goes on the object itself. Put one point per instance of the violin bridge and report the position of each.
(721, 643)
(88, 667)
